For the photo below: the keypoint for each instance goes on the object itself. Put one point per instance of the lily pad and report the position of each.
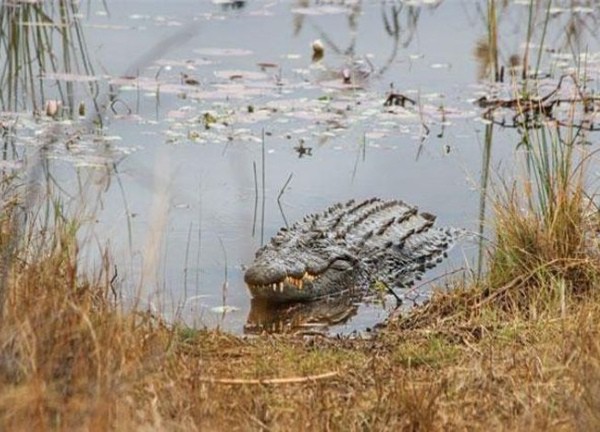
(224, 309)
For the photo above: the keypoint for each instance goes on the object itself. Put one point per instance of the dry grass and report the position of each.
(71, 360)
(518, 351)
(544, 254)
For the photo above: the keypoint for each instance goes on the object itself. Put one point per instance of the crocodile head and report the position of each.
(301, 268)
(346, 248)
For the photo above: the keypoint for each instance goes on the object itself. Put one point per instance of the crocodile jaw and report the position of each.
(281, 287)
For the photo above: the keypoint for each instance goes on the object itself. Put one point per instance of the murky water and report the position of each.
(233, 95)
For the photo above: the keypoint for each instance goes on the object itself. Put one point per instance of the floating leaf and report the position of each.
(239, 74)
(69, 77)
(224, 309)
(225, 52)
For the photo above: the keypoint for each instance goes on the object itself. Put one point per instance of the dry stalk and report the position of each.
(269, 381)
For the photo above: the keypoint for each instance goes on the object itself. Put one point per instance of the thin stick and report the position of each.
(483, 193)
(524, 279)
(424, 133)
(199, 251)
(281, 192)
(186, 265)
(362, 149)
(269, 381)
(263, 168)
(225, 285)
(287, 182)
(427, 282)
(391, 291)
(255, 198)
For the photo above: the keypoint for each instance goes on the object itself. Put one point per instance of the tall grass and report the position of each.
(544, 220)
(36, 39)
(492, 27)
(67, 352)
(545, 226)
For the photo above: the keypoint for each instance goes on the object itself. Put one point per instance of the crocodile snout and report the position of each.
(258, 274)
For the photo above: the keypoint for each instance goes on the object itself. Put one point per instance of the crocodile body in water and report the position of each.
(347, 248)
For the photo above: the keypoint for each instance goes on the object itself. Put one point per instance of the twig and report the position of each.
(285, 185)
(362, 150)
(427, 282)
(199, 250)
(520, 280)
(391, 291)
(279, 198)
(263, 169)
(268, 381)
(112, 283)
(515, 282)
(226, 280)
(398, 99)
(255, 199)
(530, 109)
(186, 263)
(263, 427)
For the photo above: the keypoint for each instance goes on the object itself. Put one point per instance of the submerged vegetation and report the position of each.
(516, 346)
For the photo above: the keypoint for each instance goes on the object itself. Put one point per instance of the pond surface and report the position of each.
(219, 95)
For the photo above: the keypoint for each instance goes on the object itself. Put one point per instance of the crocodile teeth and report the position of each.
(297, 282)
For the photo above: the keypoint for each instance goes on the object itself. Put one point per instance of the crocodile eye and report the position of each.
(278, 239)
(318, 235)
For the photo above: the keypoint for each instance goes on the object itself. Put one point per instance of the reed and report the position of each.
(38, 39)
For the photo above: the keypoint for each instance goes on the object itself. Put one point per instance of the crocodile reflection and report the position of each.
(297, 317)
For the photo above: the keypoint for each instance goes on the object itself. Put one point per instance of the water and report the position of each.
(183, 202)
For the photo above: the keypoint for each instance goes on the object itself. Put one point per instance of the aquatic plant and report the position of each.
(42, 41)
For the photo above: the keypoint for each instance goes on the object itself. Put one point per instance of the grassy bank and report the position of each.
(517, 349)
(72, 361)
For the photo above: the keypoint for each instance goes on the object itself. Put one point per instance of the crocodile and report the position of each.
(347, 248)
